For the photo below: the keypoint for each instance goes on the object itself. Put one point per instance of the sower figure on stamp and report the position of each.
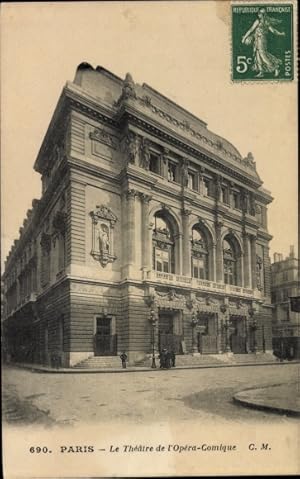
(123, 358)
(263, 61)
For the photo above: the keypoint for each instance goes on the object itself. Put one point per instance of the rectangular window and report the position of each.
(192, 184)
(225, 195)
(236, 200)
(208, 187)
(154, 163)
(199, 268)
(162, 261)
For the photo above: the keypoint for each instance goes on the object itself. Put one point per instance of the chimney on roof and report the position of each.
(292, 251)
(276, 257)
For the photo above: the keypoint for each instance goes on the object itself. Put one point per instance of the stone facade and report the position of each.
(151, 232)
(284, 286)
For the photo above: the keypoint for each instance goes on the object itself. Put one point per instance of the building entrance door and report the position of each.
(167, 337)
(105, 342)
(237, 339)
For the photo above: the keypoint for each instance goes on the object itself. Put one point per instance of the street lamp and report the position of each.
(254, 329)
(152, 320)
(194, 323)
(226, 326)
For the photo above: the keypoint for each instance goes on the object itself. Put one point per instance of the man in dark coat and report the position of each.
(163, 359)
(173, 358)
(123, 358)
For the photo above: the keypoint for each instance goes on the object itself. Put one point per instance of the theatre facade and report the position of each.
(151, 232)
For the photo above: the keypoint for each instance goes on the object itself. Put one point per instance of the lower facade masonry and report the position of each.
(78, 320)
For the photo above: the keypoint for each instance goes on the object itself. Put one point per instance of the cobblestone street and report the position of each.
(156, 395)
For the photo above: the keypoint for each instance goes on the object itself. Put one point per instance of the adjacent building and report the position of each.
(285, 289)
(151, 232)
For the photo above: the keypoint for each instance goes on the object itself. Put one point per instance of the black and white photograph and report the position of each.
(150, 297)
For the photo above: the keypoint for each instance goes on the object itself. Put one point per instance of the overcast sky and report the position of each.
(181, 49)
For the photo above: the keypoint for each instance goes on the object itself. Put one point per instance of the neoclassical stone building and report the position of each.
(151, 232)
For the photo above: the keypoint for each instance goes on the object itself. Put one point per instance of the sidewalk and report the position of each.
(282, 398)
(47, 369)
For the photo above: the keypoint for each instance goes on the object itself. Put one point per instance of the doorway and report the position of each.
(238, 338)
(168, 337)
(105, 341)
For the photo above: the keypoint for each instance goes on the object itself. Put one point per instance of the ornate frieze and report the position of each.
(103, 221)
(102, 136)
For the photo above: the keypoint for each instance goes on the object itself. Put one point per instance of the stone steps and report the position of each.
(106, 362)
(96, 362)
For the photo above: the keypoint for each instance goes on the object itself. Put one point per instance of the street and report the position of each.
(139, 397)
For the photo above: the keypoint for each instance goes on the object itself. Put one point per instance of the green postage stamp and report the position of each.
(262, 42)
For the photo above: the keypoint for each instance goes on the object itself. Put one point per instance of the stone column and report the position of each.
(247, 262)
(146, 241)
(130, 230)
(219, 252)
(178, 254)
(212, 266)
(186, 243)
(253, 260)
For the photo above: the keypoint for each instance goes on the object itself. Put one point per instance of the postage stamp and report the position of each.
(262, 42)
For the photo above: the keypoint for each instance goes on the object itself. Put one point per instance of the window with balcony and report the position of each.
(229, 262)
(163, 245)
(199, 255)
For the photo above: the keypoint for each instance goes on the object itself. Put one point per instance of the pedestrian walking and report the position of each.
(123, 358)
(173, 359)
(163, 359)
(168, 359)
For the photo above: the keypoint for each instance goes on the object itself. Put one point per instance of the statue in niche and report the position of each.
(185, 173)
(103, 238)
(259, 264)
(145, 154)
(132, 148)
(219, 188)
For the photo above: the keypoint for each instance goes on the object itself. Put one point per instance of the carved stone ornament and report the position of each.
(249, 161)
(104, 137)
(128, 90)
(103, 221)
(46, 242)
(131, 148)
(171, 295)
(59, 221)
(145, 154)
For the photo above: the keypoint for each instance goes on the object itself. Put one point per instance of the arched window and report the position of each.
(229, 262)
(199, 255)
(163, 245)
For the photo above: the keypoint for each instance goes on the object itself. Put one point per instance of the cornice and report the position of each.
(45, 202)
(162, 131)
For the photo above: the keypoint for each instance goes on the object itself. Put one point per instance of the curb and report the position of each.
(250, 403)
(44, 369)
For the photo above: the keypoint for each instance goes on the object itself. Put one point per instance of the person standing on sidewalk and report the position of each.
(123, 358)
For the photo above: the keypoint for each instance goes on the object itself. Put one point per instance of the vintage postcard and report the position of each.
(150, 272)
